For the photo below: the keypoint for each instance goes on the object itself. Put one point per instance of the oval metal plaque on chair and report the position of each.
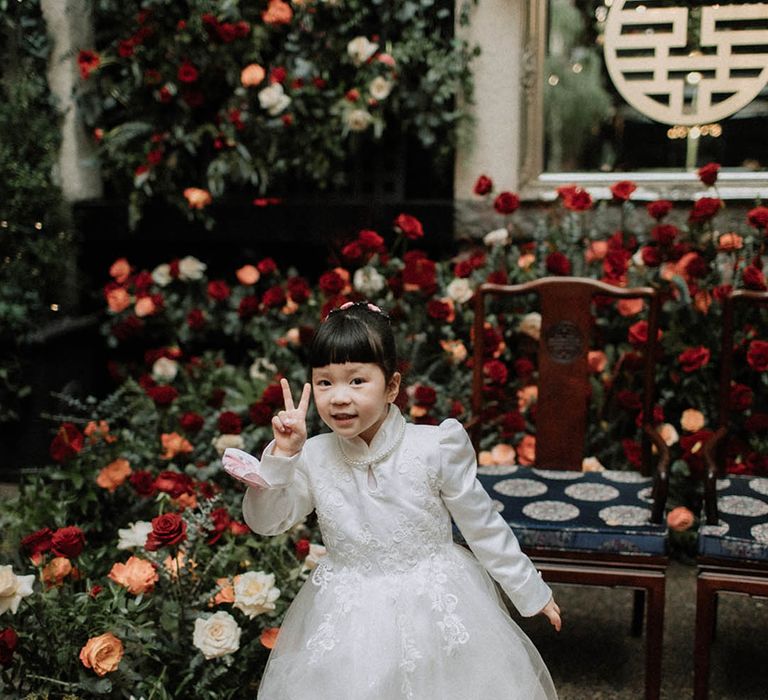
(564, 341)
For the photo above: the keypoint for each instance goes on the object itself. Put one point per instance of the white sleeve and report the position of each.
(487, 534)
(279, 494)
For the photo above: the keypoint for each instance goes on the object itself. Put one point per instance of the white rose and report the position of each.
(360, 49)
(165, 369)
(190, 268)
(531, 325)
(316, 553)
(161, 275)
(255, 593)
(226, 440)
(274, 99)
(368, 281)
(358, 119)
(380, 88)
(591, 464)
(498, 237)
(13, 588)
(262, 370)
(460, 290)
(217, 635)
(135, 535)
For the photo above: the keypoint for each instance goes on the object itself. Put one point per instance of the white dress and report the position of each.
(397, 610)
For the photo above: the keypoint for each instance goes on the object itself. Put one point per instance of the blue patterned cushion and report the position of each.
(606, 511)
(742, 533)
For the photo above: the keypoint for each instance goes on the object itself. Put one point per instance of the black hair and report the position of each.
(355, 333)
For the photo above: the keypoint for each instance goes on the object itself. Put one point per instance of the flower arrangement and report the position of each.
(189, 102)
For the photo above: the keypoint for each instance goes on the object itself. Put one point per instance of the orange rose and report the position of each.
(526, 450)
(145, 307)
(137, 575)
(120, 270)
(629, 307)
(252, 75)
(118, 300)
(277, 12)
(692, 420)
(269, 637)
(485, 459)
(596, 250)
(99, 429)
(56, 570)
(226, 593)
(597, 360)
(291, 307)
(729, 242)
(178, 563)
(175, 444)
(456, 349)
(114, 474)
(680, 519)
(702, 300)
(248, 275)
(186, 500)
(418, 411)
(527, 396)
(526, 260)
(102, 653)
(197, 198)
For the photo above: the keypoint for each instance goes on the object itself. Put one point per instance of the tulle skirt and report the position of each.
(433, 630)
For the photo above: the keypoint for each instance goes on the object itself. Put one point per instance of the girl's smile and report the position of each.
(353, 398)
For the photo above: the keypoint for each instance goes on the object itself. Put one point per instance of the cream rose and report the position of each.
(255, 593)
(368, 281)
(498, 237)
(165, 369)
(190, 268)
(358, 119)
(460, 290)
(380, 88)
(360, 49)
(135, 535)
(530, 325)
(668, 434)
(226, 440)
(262, 370)
(13, 588)
(161, 275)
(692, 420)
(591, 464)
(102, 654)
(316, 553)
(217, 635)
(274, 99)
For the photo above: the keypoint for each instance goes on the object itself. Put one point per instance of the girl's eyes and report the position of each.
(358, 380)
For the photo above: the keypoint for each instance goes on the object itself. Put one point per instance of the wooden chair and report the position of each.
(596, 528)
(733, 542)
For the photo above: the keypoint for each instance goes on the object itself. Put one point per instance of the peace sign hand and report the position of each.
(289, 426)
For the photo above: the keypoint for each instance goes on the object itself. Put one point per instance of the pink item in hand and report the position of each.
(243, 467)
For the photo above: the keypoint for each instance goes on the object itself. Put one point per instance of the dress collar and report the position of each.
(358, 454)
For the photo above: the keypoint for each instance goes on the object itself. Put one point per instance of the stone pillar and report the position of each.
(69, 25)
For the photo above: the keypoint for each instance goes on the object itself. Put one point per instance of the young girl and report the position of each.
(396, 610)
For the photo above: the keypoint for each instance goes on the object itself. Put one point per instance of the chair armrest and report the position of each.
(661, 475)
(709, 453)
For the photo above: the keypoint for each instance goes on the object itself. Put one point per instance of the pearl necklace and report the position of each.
(371, 460)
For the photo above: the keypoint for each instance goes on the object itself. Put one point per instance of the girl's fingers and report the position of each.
(304, 401)
(287, 398)
(277, 424)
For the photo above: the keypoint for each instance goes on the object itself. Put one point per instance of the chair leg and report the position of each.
(706, 598)
(654, 639)
(638, 612)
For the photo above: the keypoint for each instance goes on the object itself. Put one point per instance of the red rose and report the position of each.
(298, 289)
(629, 400)
(196, 319)
(273, 396)
(420, 273)
(483, 185)
(167, 530)
(68, 542)
(721, 291)
(260, 413)
(754, 278)
(511, 423)
(616, 262)
(352, 251)
(67, 442)
(692, 359)
(622, 190)
(331, 283)
(691, 445)
(696, 267)
(425, 395)
(37, 544)
(163, 395)
(409, 226)
(651, 256)
(659, 209)
(191, 422)
(758, 217)
(8, 642)
(463, 268)
(230, 423)
(238, 528)
(665, 234)
(302, 549)
(496, 371)
(266, 266)
(497, 277)
(757, 355)
(708, 173)
(523, 367)
(87, 61)
(188, 73)
(637, 334)
(174, 483)
(221, 520)
(370, 241)
(576, 199)
(632, 452)
(440, 310)
(218, 290)
(248, 307)
(274, 297)
(740, 397)
(704, 209)
(506, 203)
(558, 264)
(143, 483)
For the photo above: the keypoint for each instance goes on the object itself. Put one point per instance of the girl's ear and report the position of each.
(393, 388)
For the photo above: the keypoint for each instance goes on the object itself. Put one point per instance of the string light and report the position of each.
(695, 132)
(39, 225)
(553, 80)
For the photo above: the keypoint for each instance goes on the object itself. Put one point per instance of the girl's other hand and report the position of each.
(552, 612)
(289, 426)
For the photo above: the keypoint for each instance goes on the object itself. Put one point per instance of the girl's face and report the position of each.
(353, 398)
